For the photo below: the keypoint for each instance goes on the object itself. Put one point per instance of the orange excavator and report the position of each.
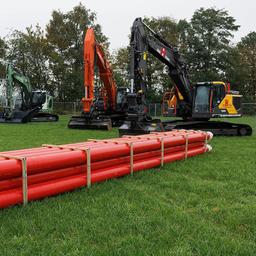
(106, 110)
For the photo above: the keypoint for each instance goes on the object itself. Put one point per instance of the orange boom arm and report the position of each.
(89, 56)
(106, 77)
(91, 50)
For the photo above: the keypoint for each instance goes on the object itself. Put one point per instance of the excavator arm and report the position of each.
(144, 40)
(14, 77)
(106, 76)
(94, 54)
(89, 59)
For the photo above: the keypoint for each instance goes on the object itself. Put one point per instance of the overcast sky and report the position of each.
(116, 16)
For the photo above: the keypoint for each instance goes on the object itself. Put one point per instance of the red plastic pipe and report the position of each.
(65, 159)
(38, 191)
(56, 174)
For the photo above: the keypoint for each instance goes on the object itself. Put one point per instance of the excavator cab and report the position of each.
(38, 98)
(215, 99)
(210, 99)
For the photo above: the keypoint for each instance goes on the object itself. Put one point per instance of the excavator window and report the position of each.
(50, 103)
(214, 98)
(119, 96)
(38, 98)
(202, 98)
(121, 93)
(218, 94)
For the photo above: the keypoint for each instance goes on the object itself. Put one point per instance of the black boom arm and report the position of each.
(144, 40)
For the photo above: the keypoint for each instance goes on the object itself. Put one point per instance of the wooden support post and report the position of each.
(186, 147)
(131, 158)
(206, 139)
(162, 151)
(24, 170)
(88, 159)
(24, 181)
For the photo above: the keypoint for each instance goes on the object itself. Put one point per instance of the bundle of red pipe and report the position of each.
(51, 170)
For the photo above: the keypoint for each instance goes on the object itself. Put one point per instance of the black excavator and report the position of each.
(196, 104)
(33, 106)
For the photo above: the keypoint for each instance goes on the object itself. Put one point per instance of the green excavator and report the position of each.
(30, 106)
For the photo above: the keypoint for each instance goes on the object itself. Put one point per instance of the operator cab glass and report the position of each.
(121, 92)
(218, 93)
(38, 98)
(207, 98)
(202, 99)
(119, 97)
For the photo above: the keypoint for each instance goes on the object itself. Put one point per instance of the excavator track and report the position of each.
(140, 127)
(216, 127)
(44, 117)
(33, 115)
(19, 117)
(80, 122)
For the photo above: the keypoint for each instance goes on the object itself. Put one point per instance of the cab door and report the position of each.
(218, 94)
(201, 104)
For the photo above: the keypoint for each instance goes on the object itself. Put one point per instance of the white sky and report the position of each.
(116, 16)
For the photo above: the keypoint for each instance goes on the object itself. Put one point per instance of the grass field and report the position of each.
(203, 206)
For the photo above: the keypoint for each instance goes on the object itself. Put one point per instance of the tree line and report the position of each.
(52, 57)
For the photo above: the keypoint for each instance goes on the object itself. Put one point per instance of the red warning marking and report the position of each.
(163, 52)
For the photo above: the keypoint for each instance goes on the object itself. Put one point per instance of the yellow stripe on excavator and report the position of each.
(145, 56)
(218, 82)
(180, 96)
(227, 103)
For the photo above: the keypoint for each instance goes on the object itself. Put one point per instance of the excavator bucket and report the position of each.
(82, 122)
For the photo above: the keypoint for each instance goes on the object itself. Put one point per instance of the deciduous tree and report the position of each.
(29, 51)
(3, 49)
(207, 39)
(65, 35)
(247, 56)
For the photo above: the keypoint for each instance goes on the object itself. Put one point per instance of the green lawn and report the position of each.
(203, 206)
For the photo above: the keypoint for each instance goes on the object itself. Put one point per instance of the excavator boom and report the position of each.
(106, 76)
(143, 41)
(89, 59)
